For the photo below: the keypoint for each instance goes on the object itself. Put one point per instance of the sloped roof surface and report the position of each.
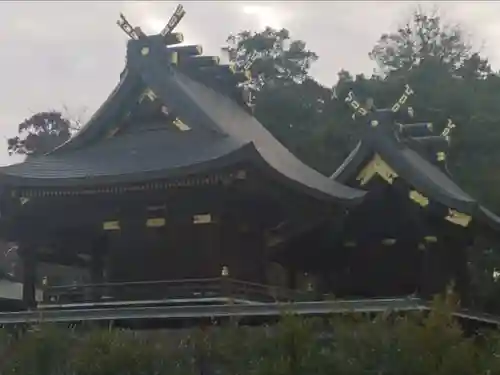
(126, 158)
(416, 169)
(222, 131)
(431, 175)
(238, 125)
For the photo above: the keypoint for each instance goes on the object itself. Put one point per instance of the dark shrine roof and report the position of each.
(221, 133)
(421, 167)
(128, 158)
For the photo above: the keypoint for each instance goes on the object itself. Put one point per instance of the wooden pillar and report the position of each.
(262, 256)
(324, 283)
(426, 272)
(462, 276)
(457, 255)
(28, 258)
(437, 268)
(96, 267)
(291, 277)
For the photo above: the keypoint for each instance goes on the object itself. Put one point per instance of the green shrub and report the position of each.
(42, 350)
(389, 344)
(103, 352)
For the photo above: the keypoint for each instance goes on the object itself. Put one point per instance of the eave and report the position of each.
(429, 181)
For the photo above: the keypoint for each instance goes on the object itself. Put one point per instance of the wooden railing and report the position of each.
(222, 287)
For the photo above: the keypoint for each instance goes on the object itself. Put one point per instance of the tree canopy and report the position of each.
(271, 55)
(41, 133)
(425, 38)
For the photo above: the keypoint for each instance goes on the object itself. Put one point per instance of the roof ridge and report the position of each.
(399, 146)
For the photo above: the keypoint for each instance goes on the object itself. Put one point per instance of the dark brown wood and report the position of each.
(97, 265)
(243, 211)
(291, 278)
(28, 258)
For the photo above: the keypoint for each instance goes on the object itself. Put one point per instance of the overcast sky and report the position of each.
(56, 54)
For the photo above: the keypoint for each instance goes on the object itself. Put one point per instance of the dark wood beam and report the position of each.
(187, 52)
(28, 259)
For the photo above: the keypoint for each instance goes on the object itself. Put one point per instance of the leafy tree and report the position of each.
(474, 68)
(425, 37)
(292, 113)
(271, 56)
(287, 101)
(41, 133)
(38, 135)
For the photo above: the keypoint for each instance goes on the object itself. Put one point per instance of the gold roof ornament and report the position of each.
(174, 58)
(419, 198)
(156, 222)
(458, 218)
(111, 225)
(377, 166)
(148, 93)
(441, 156)
(202, 219)
(181, 125)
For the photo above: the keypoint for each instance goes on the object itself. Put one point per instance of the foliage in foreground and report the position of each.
(389, 344)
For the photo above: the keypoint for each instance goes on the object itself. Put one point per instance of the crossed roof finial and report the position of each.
(132, 32)
(136, 32)
(174, 20)
(358, 109)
